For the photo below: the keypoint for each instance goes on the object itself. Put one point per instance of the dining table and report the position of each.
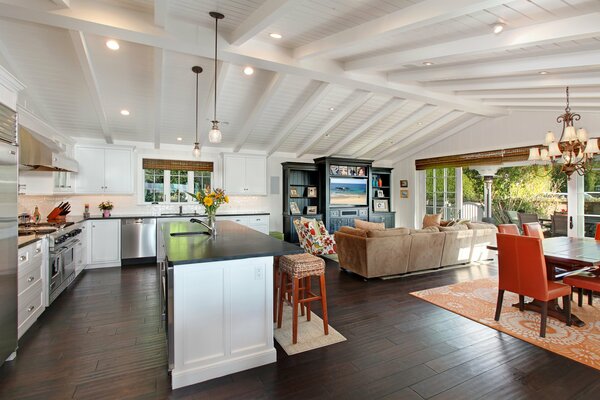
(565, 255)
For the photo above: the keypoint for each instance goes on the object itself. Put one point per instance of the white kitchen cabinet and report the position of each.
(104, 170)
(81, 251)
(256, 222)
(105, 243)
(245, 174)
(30, 285)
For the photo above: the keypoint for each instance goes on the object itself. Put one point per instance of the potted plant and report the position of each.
(105, 206)
(211, 200)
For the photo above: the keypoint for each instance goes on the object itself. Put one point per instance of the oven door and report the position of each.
(68, 257)
(55, 271)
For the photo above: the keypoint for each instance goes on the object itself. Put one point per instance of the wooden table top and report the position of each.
(581, 251)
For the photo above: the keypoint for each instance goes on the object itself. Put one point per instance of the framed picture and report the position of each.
(343, 170)
(380, 193)
(352, 171)
(334, 169)
(311, 191)
(380, 205)
(294, 192)
(404, 193)
(294, 208)
(403, 183)
(360, 171)
(311, 210)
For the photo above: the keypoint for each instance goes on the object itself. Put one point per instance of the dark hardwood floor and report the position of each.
(103, 339)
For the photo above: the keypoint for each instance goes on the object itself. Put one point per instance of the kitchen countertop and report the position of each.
(27, 240)
(174, 215)
(233, 241)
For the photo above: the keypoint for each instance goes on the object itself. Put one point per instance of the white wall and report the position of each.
(519, 128)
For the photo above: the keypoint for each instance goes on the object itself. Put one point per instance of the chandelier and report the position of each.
(573, 148)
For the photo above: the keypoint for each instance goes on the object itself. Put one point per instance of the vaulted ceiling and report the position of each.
(361, 78)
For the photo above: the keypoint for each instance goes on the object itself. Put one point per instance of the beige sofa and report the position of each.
(399, 251)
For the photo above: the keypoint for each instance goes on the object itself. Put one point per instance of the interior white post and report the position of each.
(575, 198)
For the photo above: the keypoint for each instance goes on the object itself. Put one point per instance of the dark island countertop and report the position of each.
(233, 241)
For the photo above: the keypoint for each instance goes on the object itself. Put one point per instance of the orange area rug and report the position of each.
(476, 300)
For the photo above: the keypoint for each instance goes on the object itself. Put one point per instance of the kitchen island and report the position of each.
(219, 299)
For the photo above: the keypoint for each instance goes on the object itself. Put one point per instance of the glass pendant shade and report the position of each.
(549, 138)
(554, 150)
(534, 154)
(215, 136)
(196, 150)
(592, 147)
(544, 155)
(582, 135)
(570, 134)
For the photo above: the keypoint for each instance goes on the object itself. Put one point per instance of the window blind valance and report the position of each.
(149, 163)
(492, 157)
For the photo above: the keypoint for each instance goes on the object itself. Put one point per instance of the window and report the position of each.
(201, 180)
(169, 181)
(179, 185)
(441, 193)
(154, 185)
(591, 198)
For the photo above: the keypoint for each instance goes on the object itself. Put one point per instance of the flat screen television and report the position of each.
(348, 192)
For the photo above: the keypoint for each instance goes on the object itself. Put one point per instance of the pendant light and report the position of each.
(196, 151)
(215, 136)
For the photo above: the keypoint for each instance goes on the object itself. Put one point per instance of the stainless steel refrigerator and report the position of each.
(8, 232)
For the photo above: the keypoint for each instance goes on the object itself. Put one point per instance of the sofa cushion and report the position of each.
(353, 231)
(432, 220)
(481, 225)
(460, 227)
(429, 229)
(369, 226)
(388, 233)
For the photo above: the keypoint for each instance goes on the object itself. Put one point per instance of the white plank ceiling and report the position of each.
(347, 78)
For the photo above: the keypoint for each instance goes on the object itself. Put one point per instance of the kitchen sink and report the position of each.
(196, 233)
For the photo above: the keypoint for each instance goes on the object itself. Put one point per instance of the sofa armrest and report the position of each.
(352, 252)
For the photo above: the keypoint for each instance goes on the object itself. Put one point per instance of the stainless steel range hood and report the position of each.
(40, 154)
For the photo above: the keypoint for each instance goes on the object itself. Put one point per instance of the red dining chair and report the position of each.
(587, 281)
(597, 236)
(522, 270)
(510, 229)
(533, 229)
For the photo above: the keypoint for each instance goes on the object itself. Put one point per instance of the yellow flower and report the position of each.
(226, 199)
(198, 196)
(208, 201)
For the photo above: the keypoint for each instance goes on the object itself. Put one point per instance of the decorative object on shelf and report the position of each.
(311, 192)
(215, 136)
(106, 207)
(196, 151)
(294, 192)
(334, 170)
(86, 211)
(343, 170)
(573, 147)
(360, 171)
(380, 193)
(403, 183)
(374, 181)
(37, 217)
(380, 206)
(311, 210)
(211, 200)
(404, 193)
(294, 208)
(352, 171)
(379, 182)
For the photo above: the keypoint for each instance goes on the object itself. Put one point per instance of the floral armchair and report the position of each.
(314, 240)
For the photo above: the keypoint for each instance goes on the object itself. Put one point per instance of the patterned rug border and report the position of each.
(547, 344)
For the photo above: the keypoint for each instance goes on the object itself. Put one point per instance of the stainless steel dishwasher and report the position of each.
(138, 240)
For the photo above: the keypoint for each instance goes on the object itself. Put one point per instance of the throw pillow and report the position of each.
(353, 231)
(432, 220)
(369, 226)
(311, 223)
(322, 230)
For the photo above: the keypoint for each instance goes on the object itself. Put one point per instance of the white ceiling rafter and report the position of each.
(555, 103)
(472, 120)
(159, 78)
(501, 67)
(208, 103)
(62, 3)
(382, 113)
(91, 80)
(104, 20)
(423, 112)
(161, 13)
(259, 108)
(269, 12)
(444, 120)
(419, 15)
(573, 28)
(319, 94)
(358, 99)
(543, 93)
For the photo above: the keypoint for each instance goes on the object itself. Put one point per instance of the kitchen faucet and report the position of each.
(204, 224)
(180, 210)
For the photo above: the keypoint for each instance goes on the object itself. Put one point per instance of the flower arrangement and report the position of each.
(211, 199)
(106, 205)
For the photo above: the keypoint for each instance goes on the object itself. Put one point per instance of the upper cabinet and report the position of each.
(104, 170)
(245, 174)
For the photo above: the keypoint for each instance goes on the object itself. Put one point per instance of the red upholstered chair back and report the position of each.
(533, 229)
(522, 266)
(510, 229)
(598, 231)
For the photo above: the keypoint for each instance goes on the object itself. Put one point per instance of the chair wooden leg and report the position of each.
(544, 319)
(296, 293)
(324, 303)
(567, 308)
(590, 297)
(499, 304)
(580, 299)
(521, 302)
(307, 293)
(282, 294)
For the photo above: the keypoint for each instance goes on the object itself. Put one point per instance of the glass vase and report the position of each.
(212, 222)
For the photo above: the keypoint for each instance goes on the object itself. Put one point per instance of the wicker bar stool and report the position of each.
(296, 272)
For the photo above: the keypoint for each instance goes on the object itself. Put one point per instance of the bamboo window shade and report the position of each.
(492, 157)
(149, 163)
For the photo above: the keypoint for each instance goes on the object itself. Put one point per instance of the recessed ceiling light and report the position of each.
(331, 108)
(125, 112)
(179, 139)
(327, 135)
(248, 70)
(428, 63)
(112, 44)
(498, 27)
(419, 123)
(543, 72)
(275, 35)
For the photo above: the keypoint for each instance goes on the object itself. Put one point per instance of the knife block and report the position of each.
(54, 215)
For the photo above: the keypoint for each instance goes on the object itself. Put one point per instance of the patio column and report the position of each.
(575, 198)
(488, 173)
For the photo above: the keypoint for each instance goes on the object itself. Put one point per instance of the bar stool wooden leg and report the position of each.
(324, 303)
(307, 293)
(296, 302)
(282, 293)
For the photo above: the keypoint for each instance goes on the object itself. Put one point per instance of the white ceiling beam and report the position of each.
(501, 67)
(263, 17)
(319, 94)
(161, 13)
(87, 68)
(392, 106)
(423, 112)
(441, 122)
(62, 3)
(540, 103)
(209, 103)
(158, 79)
(472, 120)
(358, 99)
(550, 93)
(583, 26)
(259, 108)
(107, 20)
(425, 13)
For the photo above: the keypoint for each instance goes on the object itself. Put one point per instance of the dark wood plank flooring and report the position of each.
(103, 339)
